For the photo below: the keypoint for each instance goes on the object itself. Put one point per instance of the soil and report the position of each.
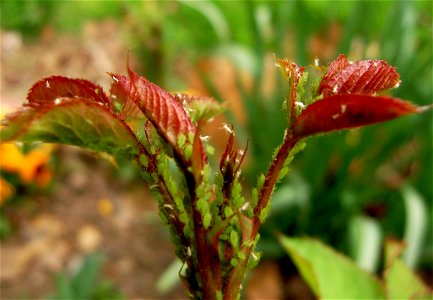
(68, 224)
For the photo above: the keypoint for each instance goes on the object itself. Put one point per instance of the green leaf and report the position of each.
(400, 280)
(75, 122)
(64, 288)
(86, 278)
(328, 273)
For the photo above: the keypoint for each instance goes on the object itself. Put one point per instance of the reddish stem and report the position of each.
(236, 277)
(209, 282)
(271, 179)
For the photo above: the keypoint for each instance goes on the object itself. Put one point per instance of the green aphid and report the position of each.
(143, 160)
(254, 260)
(264, 213)
(118, 106)
(202, 205)
(210, 150)
(206, 172)
(241, 255)
(234, 239)
(283, 173)
(172, 186)
(187, 151)
(260, 181)
(237, 188)
(181, 140)
(300, 88)
(179, 204)
(234, 262)
(187, 231)
(228, 211)
(201, 190)
(191, 137)
(183, 217)
(207, 220)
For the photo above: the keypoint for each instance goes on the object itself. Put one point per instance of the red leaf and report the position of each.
(229, 155)
(340, 63)
(350, 111)
(76, 121)
(361, 77)
(52, 89)
(231, 161)
(198, 155)
(160, 107)
(122, 91)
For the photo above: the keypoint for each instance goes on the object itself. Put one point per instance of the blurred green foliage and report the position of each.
(86, 283)
(339, 178)
(31, 17)
(27, 17)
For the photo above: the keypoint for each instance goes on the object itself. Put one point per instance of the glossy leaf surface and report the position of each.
(349, 111)
(76, 121)
(166, 114)
(123, 94)
(53, 89)
(361, 77)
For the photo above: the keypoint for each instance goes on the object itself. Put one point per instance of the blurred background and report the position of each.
(76, 226)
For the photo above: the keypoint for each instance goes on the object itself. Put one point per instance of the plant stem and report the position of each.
(208, 282)
(237, 275)
(271, 179)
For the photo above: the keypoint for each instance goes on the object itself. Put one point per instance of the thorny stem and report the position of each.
(209, 282)
(236, 277)
(271, 179)
(170, 204)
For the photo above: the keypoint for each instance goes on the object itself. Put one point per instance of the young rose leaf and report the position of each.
(231, 161)
(362, 77)
(75, 121)
(122, 93)
(198, 155)
(55, 88)
(124, 97)
(165, 113)
(199, 108)
(350, 111)
(339, 64)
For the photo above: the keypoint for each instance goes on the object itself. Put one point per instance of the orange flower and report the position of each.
(11, 158)
(32, 167)
(6, 191)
